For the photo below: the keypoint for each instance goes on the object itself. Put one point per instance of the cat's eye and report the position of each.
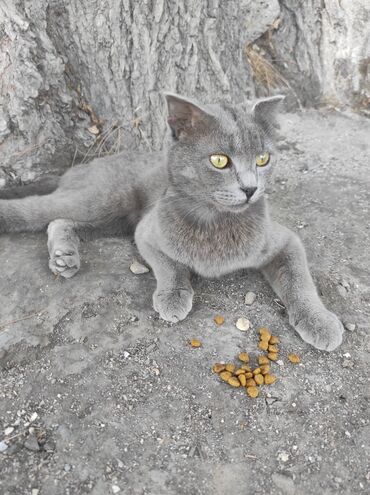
(262, 159)
(219, 161)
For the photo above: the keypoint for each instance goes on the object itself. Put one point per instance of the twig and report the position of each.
(11, 322)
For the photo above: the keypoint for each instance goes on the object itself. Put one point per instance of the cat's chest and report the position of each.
(219, 249)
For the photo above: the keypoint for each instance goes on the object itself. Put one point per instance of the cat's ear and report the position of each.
(264, 111)
(185, 117)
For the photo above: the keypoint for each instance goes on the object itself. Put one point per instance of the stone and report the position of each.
(242, 324)
(116, 489)
(31, 443)
(351, 327)
(138, 269)
(3, 446)
(8, 430)
(283, 456)
(250, 297)
(347, 363)
(284, 483)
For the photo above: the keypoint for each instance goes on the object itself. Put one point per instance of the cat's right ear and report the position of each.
(185, 117)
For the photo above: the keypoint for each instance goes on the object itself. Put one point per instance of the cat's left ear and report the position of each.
(264, 111)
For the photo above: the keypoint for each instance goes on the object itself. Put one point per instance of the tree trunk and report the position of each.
(83, 78)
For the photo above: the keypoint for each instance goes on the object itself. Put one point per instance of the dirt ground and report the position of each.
(99, 396)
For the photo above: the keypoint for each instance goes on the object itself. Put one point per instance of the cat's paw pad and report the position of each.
(173, 305)
(64, 262)
(322, 329)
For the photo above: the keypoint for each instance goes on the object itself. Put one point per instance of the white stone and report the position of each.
(33, 417)
(8, 430)
(138, 269)
(242, 324)
(283, 456)
(116, 489)
(3, 446)
(250, 297)
(350, 327)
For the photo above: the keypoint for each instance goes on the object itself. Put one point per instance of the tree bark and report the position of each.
(82, 78)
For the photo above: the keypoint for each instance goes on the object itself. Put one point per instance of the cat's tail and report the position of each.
(45, 185)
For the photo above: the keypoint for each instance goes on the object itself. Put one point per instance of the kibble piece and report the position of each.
(245, 367)
(263, 360)
(257, 371)
(273, 348)
(274, 340)
(243, 380)
(253, 392)
(270, 379)
(195, 343)
(249, 375)
(273, 356)
(251, 383)
(263, 345)
(259, 379)
(243, 356)
(264, 334)
(233, 381)
(218, 367)
(294, 358)
(265, 368)
(225, 375)
(240, 371)
(230, 367)
(219, 320)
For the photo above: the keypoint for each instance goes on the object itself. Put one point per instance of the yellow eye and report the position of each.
(262, 159)
(219, 161)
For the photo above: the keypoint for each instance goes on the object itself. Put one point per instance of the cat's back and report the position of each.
(123, 171)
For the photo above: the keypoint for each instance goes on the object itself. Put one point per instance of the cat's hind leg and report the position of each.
(63, 243)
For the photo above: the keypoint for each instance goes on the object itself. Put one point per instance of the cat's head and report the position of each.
(221, 154)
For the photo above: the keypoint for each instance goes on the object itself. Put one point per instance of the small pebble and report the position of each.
(67, 467)
(116, 489)
(242, 324)
(250, 297)
(35, 491)
(347, 363)
(33, 417)
(283, 456)
(31, 443)
(8, 430)
(3, 446)
(351, 327)
(342, 291)
(138, 269)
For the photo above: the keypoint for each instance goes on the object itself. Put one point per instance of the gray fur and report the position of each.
(189, 216)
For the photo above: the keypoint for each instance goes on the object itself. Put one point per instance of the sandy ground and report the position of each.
(99, 396)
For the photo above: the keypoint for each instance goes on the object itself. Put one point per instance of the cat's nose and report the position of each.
(249, 191)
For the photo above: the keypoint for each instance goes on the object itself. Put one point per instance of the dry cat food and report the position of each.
(294, 358)
(252, 378)
(245, 376)
(219, 320)
(195, 343)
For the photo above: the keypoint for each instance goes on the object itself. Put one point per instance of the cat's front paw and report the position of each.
(319, 327)
(173, 305)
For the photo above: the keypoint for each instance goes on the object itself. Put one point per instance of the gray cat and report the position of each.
(198, 207)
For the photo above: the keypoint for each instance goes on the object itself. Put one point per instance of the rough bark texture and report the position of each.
(80, 78)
